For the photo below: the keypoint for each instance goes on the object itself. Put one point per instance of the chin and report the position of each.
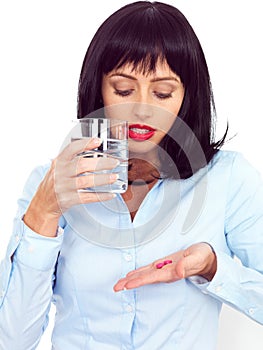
(142, 148)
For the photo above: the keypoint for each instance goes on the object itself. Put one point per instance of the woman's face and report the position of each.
(149, 102)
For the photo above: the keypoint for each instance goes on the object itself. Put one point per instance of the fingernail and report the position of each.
(114, 176)
(117, 162)
(106, 196)
(97, 141)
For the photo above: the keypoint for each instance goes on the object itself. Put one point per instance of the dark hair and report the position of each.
(141, 33)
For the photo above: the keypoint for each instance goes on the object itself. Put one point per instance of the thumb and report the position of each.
(187, 265)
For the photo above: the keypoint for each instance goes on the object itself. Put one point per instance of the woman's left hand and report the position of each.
(198, 259)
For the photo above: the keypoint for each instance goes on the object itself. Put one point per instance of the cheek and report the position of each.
(163, 119)
(174, 106)
(117, 110)
(107, 98)
(110, 98)
(107, 94)
(165, 127)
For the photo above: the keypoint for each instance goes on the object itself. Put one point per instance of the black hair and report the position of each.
(140, 33)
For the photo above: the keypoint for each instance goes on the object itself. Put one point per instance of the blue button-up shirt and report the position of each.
(221, 204)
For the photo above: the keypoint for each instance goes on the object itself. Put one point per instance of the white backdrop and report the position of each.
(42, 47)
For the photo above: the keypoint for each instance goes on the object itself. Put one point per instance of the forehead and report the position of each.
(161, 69)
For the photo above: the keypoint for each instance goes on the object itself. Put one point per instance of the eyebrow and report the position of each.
(152, 80)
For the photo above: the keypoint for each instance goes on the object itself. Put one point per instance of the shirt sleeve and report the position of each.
(26, 278)
(238, 281)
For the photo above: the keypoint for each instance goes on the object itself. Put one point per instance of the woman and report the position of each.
(189, 208)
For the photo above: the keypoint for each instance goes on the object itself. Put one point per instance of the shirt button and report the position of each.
(128, 257)
(129, 308)
(30, 249)
(251, 311)
(218, 288)
(17, 238)
(2, 293)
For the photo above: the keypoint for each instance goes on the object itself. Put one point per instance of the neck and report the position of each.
(141, 172)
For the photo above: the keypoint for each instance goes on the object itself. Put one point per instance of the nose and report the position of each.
(142, 110)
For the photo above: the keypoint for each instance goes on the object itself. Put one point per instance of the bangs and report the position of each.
(142, 35)
(142, 40)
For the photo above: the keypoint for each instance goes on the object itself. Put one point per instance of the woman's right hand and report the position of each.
(59, 190)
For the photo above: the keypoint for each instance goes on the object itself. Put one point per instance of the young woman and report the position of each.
(148, 269)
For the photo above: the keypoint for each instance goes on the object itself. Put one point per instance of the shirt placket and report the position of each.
(128, 300)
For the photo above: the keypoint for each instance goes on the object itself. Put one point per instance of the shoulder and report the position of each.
(233, 161)
(239, 175)
(224, 157)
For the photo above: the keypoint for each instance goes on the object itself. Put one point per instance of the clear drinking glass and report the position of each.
(114, 135)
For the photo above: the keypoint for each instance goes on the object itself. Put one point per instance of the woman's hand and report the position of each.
(198, 259)
(60, 188)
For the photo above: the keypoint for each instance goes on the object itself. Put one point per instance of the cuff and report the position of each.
(37, 251)
(225, 278)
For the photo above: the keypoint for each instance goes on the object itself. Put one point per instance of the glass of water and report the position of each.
(114, 136)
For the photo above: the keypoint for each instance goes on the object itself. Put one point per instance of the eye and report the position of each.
(123, 93)
(162, 96)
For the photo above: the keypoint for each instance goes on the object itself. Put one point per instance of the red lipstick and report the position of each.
(140, 132)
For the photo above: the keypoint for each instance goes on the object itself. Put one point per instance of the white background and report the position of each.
(42, 47)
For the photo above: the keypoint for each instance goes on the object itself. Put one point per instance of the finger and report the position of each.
(150, 276)
(140, 280)
(180, 269)
(67, 200)
(79, 146)
(131, 283)
(89, 197)
(140, 269)
(152, 265)
(94, 180)
(188, 265)
(135, 278)
(120, 285)
(144, 268)
(81, 165)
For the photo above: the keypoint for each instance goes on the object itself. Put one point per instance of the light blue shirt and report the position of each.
(221, 204)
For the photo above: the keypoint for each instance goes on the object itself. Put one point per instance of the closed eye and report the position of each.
(123, 93)
(162, 96)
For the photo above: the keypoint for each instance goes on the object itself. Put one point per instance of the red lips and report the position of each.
(139, 132)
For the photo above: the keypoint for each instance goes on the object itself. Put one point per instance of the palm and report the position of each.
(185, 263)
